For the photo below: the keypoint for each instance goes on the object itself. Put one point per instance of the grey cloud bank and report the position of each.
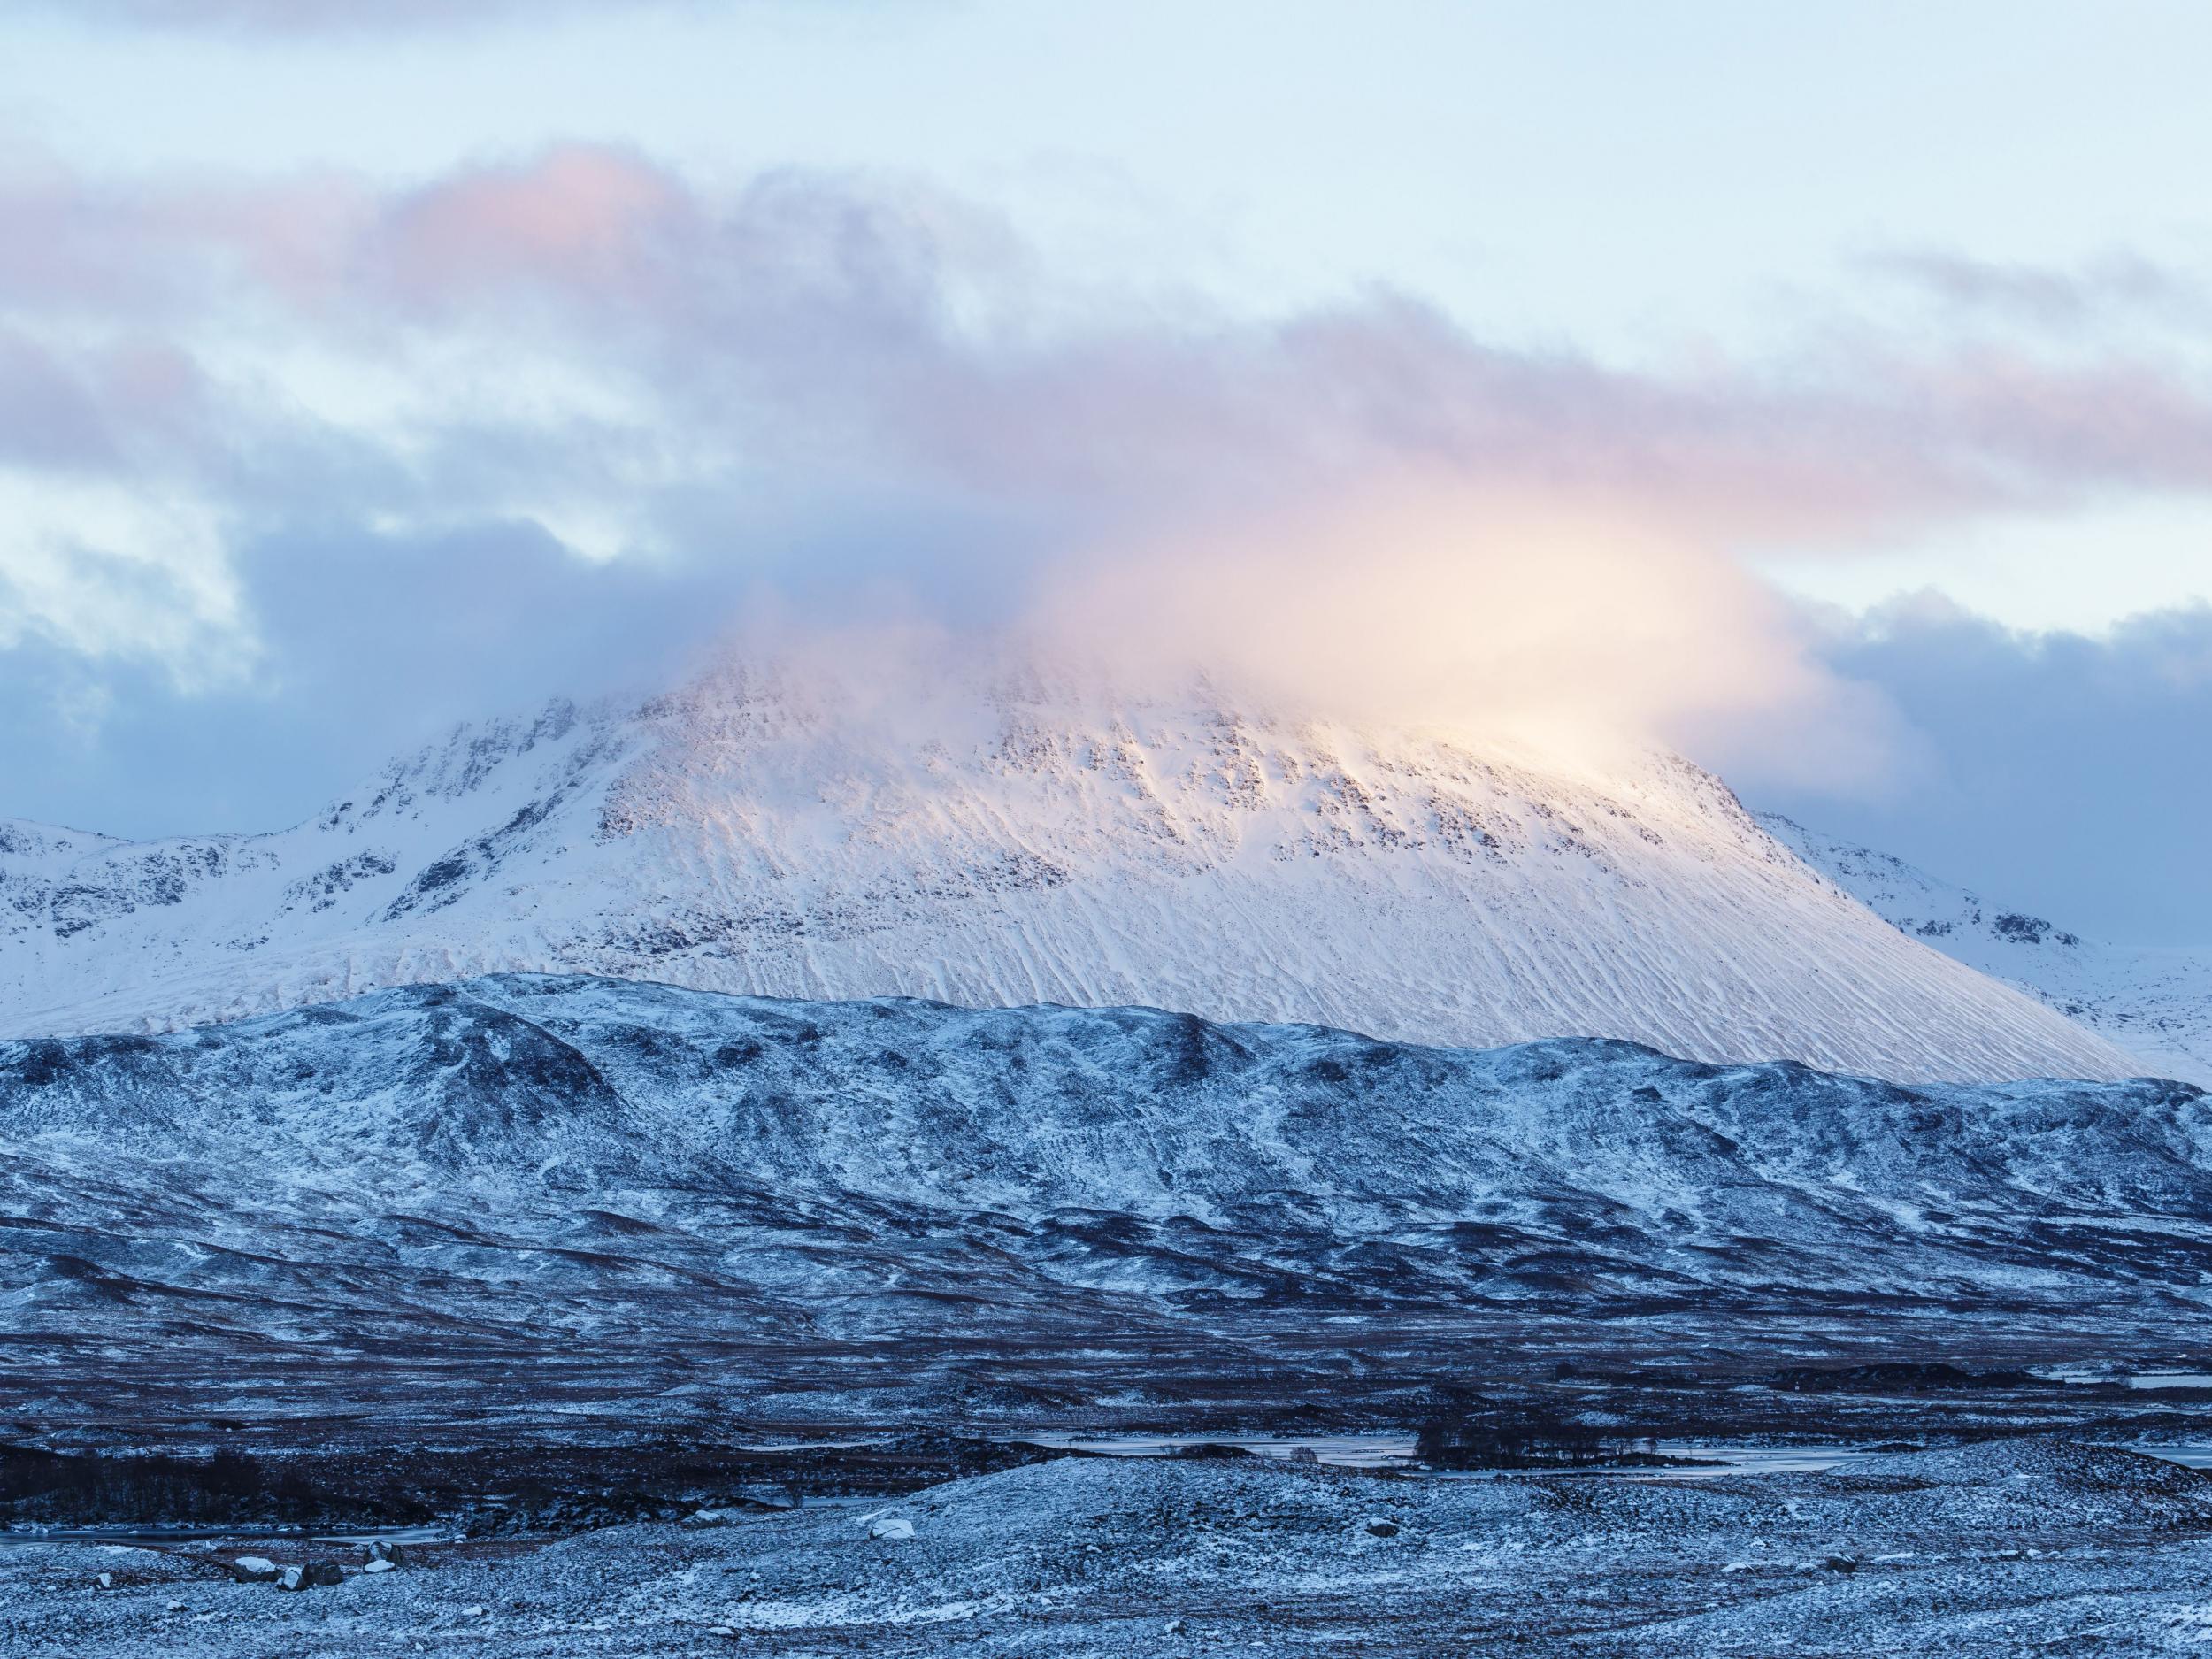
(2068, 774)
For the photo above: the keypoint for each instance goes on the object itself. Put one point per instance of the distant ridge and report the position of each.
(2155, 1002)
(525, 1198)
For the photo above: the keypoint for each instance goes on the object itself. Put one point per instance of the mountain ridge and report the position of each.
(1013, 840)
(535, 1196)
(2153, 1000)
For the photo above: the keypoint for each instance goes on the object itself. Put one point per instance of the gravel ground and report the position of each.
(2020, 1547)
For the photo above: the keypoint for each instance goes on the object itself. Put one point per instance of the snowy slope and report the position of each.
(2156, 1002)
(1008, 840)
(543, 1192)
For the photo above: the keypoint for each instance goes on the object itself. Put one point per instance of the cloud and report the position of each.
(2117, 286)
(48, 417)
(355, 427)
(1510, 612)
(2068, 774)
(362, 647)
(587, 295)
(97, 567)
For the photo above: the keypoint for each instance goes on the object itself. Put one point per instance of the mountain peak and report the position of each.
(999, 836)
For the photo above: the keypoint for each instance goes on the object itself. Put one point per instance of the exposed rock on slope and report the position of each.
(533, 1195)
(1012, 841)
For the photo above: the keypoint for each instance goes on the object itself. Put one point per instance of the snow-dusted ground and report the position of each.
(2155, 1002)
(1004, 841)
(2020, 1547)
(517, 1199)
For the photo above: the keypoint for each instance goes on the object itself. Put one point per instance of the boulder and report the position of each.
(1380, 1526)
(893, 1527)
(294, 1577)
(325, 1572)
(254, 1569)
(382, 1564)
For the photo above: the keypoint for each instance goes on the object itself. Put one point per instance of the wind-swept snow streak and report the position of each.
(1015, 840)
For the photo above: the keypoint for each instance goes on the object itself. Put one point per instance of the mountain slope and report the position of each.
(2156, 1002)
(523, 1196)
(1005, 840)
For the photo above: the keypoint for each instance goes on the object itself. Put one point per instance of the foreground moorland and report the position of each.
(553, 1205)
(2021, 1546)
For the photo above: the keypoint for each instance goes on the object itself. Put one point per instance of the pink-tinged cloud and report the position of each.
(2123, 423)
(81, 249)
(595, 227)
(586, 348)
(873, 319)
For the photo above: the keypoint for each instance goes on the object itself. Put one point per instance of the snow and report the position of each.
(2014, 1547)
(2153, 1000)
(670, 1201)
(1022, 840)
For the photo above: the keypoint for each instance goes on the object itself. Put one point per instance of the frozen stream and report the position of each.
(1396, 1451)
(1344, 1451)
(169, 1537)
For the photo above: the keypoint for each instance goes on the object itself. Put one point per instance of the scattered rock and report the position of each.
(107, 1581)
(1379, 1526)
(709, 1517)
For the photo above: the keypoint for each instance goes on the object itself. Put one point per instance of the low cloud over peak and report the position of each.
(579, 396)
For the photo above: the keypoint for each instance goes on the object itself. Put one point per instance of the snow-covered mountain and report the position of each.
(547, 1196)
(1004, 839)
(2154, 1002)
